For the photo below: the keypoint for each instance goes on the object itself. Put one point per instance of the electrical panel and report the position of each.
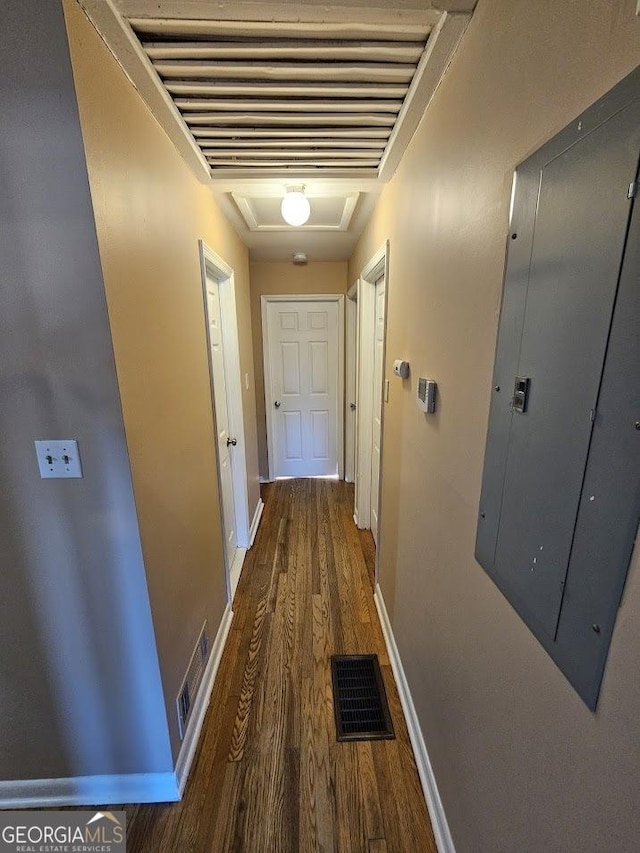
(559, 505)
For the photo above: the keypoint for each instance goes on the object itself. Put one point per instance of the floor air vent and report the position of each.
(359, 698)
(192, 680)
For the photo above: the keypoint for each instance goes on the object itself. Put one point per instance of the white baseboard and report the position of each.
(264, 480)
(89, 791)
(355, 518)
(192, 735)
(235, 571)
(256, 521)
(439, 822)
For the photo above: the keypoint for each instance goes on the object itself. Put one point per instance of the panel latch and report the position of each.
(520, 394)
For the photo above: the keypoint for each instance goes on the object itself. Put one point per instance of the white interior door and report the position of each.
(376, 434)
(225, 441)
(302, 387)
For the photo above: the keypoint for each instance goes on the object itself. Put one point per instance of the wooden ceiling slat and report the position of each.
(239, 29)
(255, 154)
(269, 144)
(282, 105)
(293, 119)
(372, 72)
(379, 133)
(316, 51)
(262, 89)
(268, 164)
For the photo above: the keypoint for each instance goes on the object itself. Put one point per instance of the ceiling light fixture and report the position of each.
(295, 207)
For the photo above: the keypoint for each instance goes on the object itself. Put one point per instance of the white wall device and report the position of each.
(401, 368)
(58, 458)
(426, 396)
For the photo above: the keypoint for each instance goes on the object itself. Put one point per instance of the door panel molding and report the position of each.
(266, 350)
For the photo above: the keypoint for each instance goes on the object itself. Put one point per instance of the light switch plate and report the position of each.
(58, 459)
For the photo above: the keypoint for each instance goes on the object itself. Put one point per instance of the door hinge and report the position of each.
(632, 192)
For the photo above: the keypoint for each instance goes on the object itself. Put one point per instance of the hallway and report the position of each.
(269, 774)
(459, 181)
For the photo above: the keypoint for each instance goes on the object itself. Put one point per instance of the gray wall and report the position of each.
(80, 689)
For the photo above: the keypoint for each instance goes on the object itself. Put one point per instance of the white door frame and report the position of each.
(303, 297)
(213, 266)
(377, 267)
(351, 360)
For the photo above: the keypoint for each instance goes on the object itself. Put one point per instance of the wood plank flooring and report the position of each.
(269, 775)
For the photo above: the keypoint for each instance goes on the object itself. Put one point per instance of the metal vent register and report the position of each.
(359, 698)
(192, 680)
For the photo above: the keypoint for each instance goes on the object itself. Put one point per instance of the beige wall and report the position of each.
(521, 763)
(271, 278)
(150, 212)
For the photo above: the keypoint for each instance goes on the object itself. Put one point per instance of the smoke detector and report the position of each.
(300, 258)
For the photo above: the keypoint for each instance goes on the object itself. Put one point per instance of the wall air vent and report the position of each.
(192, 680)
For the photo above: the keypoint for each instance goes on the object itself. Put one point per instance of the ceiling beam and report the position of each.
(260, 105)
(126, 49)
(229, 178)
(441, 47)
(370, 163)
(257, 154)
(381, 51)
(209, 145)
(317, 51)
(257, 29)
(328, 133)
(369, 72)
(249, 88)
(349, 11)
(295, 119)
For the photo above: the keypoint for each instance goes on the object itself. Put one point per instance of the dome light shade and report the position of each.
(295, 207)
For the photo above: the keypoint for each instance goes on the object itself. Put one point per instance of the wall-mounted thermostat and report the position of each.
(401, 368)
(426, 397)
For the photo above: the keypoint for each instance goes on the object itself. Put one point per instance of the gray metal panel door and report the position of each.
(560, 498)
(610, 503)
(580, 229)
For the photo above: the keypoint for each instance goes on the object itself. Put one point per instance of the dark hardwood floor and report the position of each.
(268, 774)
(368, 552)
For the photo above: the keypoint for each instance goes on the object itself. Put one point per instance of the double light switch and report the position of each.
(58, 459)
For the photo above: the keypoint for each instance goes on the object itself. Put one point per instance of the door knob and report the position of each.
(232, 441)
(352, 406)
(277, 404)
